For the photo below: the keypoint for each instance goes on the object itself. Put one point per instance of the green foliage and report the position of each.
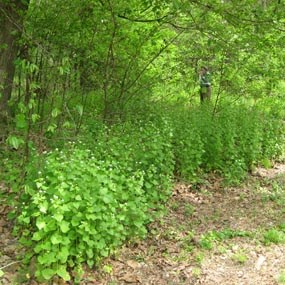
(189, 210)
(207, 240)
(229, 234)
(240, 257)
(229, 142)
(83, 204)
(274, 193)
(145, 147)
(188, 146)
(79, 209)
(274, 235)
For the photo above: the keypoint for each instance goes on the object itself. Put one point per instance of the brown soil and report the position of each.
(174, 253)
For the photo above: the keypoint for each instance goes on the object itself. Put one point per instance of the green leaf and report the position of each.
(75, 221)
(25, 220)
(66, 240)
(51, 128)
(64, 208)
(47, 258)
(21, 121)
(40, 223)
(35, 117)
(14, 141)
(61, 70)
(55, 238)
(37, 236)
(48, 273)
(58, 217)
(55, 113)
(67, 124)
(89, 253)
(64, 226)
(43, 207)
(76, 205)
(107, 199)
(51, 226)
(61, 271)
(90, 262)
(63, 254)
(26, 242)
(78, 198)
(38, 248)
(1, 273)
(79, 109)
(58, 239)
(91, 217)
(31, 104)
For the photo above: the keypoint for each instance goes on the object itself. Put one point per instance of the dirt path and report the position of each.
(210, 235)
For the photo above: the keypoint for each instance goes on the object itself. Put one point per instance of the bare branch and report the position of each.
(143, 20)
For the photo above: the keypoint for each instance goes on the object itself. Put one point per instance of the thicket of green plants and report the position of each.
(83, 201)
(230, 142)
(85, 198)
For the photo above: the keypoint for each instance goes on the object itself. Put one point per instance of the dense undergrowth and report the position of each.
(230, 142)
(82, 200)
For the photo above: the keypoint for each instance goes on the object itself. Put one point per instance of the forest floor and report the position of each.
(210, 235)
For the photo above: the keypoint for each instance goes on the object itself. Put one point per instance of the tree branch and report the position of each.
(143, 20)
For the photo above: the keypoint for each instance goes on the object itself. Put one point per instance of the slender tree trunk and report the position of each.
(11, 25)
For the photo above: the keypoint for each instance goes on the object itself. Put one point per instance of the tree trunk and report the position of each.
(11, 26)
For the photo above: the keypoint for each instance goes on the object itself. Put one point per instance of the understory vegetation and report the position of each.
(82, 200)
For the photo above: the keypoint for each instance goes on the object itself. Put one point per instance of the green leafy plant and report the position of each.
(78, 210)
(230, 233)
(82, 204)
(199, 257)
(240, 257)
(207, 241)
(274, 236)
(196, 271)
(228, 142)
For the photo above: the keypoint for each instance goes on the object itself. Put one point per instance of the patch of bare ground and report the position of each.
(174, 253)
(210, 235)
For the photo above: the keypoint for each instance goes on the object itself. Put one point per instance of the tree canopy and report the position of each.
(118, 52)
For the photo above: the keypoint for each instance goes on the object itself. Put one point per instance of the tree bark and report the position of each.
(11, 26)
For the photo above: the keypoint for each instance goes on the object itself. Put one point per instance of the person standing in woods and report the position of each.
(205, 84)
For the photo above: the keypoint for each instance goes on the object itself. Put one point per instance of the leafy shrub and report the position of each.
(87, 199)
(188, 146)
(229, 142)
(83, 203)
(80, 209)
(274, 236)
(273, 137)
(145, 147)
